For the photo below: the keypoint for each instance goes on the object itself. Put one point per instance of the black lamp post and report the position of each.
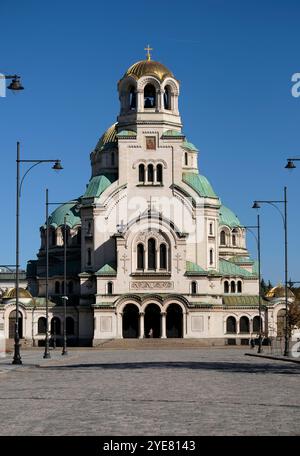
(65, 297)
(257, 238)
(256, 205)
(57, 166)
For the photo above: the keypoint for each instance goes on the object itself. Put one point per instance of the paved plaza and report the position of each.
(203, 391)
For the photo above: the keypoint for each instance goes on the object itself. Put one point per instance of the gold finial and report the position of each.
(148, 49)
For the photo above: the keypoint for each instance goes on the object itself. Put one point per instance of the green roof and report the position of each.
(106, 270)
(70, 210)
(193, 268)
(126, 133)
(96, 186)
(200, 184)
(228, 218)
(189, 146)
(173, 134)
(241, 260)
(231, 269)
(243, 301)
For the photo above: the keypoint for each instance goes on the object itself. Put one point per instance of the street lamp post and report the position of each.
(56, 166)
(257, 238)
(256, 205)
(64, 350)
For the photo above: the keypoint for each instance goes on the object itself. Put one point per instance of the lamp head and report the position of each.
(57, 166)
(15, 84)
(256, 205)
(290, 165)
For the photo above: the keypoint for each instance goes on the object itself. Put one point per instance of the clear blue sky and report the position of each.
(234, 59)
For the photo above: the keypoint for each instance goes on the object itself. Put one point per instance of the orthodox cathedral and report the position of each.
(151, 251)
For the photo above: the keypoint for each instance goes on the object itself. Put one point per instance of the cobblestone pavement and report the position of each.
(204, 391)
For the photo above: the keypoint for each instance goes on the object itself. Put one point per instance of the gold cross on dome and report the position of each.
(148, 49)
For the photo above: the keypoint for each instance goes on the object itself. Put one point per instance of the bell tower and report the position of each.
(148, 94)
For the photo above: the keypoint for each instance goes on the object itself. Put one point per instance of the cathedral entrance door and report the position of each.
(152, 321)
(174, 321)
(130, 322)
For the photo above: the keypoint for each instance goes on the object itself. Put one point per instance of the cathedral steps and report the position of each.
(138, 344)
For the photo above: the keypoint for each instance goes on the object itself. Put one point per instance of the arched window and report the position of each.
(70, 326)
(234, 238)
(57, 287)
(159, 174)
(239, 286)
(223, 238)
(141, 173)
(232, 287)
(244, 325)
(163, 256)
(110, 288)
(150, 173)
(167, 98)
(42, 325)
(211, 257)
(256, 325)
(132, 99)
(226, 286)
(186, 159)
(89, 257)
(194, 287)
(151, 254)
(140, 256)
(231, 325)
(149, 96)
(70, 287)
(211, 231)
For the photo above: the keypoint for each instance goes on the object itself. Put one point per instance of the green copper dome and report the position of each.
(228, 218)
(200, 184)
(71, 210)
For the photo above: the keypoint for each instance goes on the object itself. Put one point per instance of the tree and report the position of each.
(294, 315)
(263, 287)
(270, 286)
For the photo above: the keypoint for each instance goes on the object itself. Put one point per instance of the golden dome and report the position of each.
(11, 293)
(109, 137)
(279, 292)
(149, 68)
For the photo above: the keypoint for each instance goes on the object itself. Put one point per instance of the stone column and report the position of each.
(163, 325)
(142, 326)
(140, 100)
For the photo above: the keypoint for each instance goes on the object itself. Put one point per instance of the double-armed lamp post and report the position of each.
(56, 166)
(257, 205)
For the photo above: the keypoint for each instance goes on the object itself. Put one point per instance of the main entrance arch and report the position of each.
(174, 321)
(130, 322)
(152, 321)
(11, 325)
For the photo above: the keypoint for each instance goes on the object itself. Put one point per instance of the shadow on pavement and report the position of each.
(261, 368)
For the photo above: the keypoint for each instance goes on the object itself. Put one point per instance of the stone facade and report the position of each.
(151, 250)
